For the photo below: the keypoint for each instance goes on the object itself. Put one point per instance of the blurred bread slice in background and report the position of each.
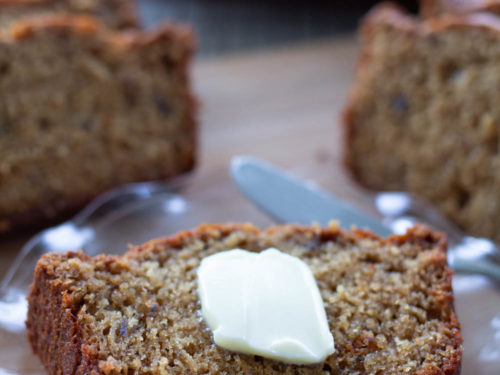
(423, 112)
(84, 108)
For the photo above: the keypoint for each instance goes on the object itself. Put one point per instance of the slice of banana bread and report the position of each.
(433, 8)
(85, 109)
(423, 113)
(117, 14)
(389, 304)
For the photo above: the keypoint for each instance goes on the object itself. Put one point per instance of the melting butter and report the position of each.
(265, 303)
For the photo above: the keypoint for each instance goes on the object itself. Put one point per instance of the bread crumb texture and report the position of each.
(389, 305)
(423, 113)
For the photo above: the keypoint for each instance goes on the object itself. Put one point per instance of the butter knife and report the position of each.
(288, 199)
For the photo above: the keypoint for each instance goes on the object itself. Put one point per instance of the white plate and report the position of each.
(477, 300)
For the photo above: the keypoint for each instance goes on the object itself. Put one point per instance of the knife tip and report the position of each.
(238, 162)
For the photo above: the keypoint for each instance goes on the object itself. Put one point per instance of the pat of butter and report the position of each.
(266, 304)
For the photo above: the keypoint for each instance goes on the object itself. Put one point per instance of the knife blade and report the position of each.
(288, 199)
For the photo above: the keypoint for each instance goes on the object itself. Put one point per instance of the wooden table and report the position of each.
(284, 106)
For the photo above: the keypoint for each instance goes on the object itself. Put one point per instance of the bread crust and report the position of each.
(127, 41)
(52, 321)
(53, 330)
(435, 8)
(125, 11)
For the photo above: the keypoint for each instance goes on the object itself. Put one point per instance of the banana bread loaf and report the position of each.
(88, 109)
(117, 14)
(433, 8)
(423, 112)
(389, 304)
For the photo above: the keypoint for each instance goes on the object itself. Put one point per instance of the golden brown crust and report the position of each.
(435, 8)
(393, 16)
(28, 26)
(52, 325)
(166, 34)
(49, 303)
(203, 231)
(82, 24)
(118, 14)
